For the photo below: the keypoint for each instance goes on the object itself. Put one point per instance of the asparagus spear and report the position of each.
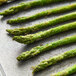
(24, 6)
(31, 38)
(27, 30)
(66, 72)
(44, 64)
(39, 49)
(42, 14)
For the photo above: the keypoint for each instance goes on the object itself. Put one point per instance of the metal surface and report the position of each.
(2, 73)
(10, 49)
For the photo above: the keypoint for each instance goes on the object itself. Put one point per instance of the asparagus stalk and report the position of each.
(44, 64)
(39, 49)
(31, 38)
(69, 71)
(31, 4)
(42, 14)
(27, 30)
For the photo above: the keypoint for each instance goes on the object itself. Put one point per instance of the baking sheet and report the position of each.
(10, 49)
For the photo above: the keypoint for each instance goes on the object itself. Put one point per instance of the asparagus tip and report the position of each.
(33, 73)
(21, 39)
(18, 59)
(33, 70)
(18, 39)
(8, 21)
(8, 30)
(1, 13)
(15, 38)
(33, 67)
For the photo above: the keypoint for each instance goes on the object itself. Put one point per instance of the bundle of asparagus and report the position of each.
(44, 34)
(44, 64)
(39, 49)
(27, 30)
(66, 72)
(31, 4)
(43, 14)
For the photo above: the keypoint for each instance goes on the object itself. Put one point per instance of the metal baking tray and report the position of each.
(2, 73)
(10, 49)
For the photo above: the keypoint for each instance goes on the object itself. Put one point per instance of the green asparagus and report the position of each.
(27, 30)
(39, 49)
(27, 5)
(31, 38)
(42, 14)
(66, 72)
(44, 64)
